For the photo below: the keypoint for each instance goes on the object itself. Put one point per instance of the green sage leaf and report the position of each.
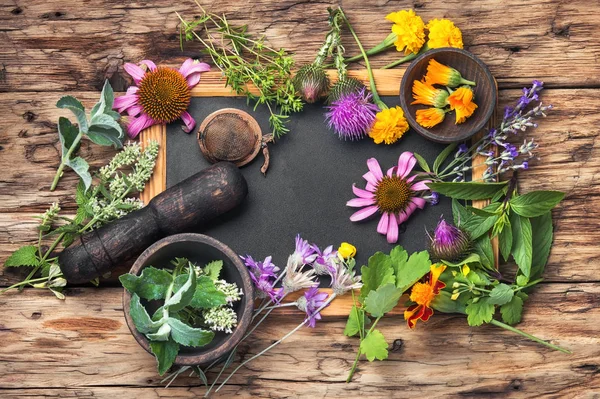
(106, 122)
(75, 106)
(467, 190)
(141, 319)
(105, 136)
(67, 133)
(162, 334)
(189, 336)
(183, 296)
(522, 249)
(81, 167)
(165, 353)
(374, 346)
(382, 300)
(536, 203)
(439, 160)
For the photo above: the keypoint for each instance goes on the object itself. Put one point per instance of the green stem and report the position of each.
(467, 82)
(357, 358)
(531, 337)
(376, 98)
(407, 58)
(386, 44)
(59, 171)
(25, 282)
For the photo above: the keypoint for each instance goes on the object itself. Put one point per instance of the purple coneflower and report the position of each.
(352, 115)
(449, 242)
(394, 195)
(310, 303)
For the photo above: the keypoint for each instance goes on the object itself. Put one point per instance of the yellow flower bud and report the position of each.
(347, 250)
(455, 296)
(465, 270)
(456, 285)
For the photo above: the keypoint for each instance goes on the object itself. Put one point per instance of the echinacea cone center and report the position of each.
(392, 194)
(164, 94)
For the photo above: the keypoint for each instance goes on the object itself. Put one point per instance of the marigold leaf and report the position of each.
(374, 346)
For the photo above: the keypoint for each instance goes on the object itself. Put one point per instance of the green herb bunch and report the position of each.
(194, 304)
(385, 279)
(245, 60)
(523, 225)
(102, 128)
(109, 199)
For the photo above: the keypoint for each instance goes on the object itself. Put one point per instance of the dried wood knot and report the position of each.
(397, 345)
(16, 11)
(515, 385)
(29, 116)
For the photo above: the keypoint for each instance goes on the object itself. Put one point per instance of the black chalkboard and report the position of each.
(306, 188)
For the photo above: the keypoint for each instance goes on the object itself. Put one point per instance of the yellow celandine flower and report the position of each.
(347, 250)
(430, 117)
(461, 101)
(409, 29)
(426, 94)
(389, 126)
(440, 74)
(443, 33)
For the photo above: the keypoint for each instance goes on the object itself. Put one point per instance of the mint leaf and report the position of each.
(479, 312)
(382, 300)
(541, 229)
(141, 318)
(183, 296)
(354, 324)
(439, 160)
(477, 226)
(522, 280)
(422, 162)
(512, 311)
(162, 334)
(379, 272)
(189, 336)
(536, 203)
(206, 294)
(374, 346)
(522, 249)
(412, 270)
(467, 190)
(24, 256)
(483, 247)
(460, 214)
(165, 353)
(151, 284)
(213, 269)
(67, 133)
(75, 106)
(81, 167)
(505, 239)
(105, 136)
(501, 294)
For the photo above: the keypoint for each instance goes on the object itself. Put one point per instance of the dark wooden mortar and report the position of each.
(182, 208)
(471, 68)
(199, 249)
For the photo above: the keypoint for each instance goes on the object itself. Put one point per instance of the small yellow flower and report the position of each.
(426, 94)
(347, 250)
(455, 296)
(390, 125)
(461, 101)
(430, 117)
(440, 74)
(443, 33)
(409, 29)
(465, 270)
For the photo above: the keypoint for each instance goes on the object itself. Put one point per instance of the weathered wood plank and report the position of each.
(56, 46)
(83, 344)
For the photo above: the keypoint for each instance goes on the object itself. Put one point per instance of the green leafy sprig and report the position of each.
(245, 60)
(107, 200)
(195, 303)
(385, 279)
(102, 128)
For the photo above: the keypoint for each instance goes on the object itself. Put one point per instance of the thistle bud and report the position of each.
(449, 243)
(343, 87)
(311, 82)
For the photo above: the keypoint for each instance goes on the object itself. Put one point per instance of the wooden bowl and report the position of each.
(199, 249)
(471, 68)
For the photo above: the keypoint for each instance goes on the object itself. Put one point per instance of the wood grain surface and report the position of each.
(81, 347)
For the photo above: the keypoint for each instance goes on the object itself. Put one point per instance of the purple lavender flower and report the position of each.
(264, 268)
(323, 261)
(462, 149)
(352, 115)
(449, 242)
(433, 198)
(310, 302)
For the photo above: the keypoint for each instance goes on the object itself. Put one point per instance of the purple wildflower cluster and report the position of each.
(516, 119)
(303, 266)
(352, 115)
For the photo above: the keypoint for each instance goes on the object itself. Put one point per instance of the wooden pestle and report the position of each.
(181, 208)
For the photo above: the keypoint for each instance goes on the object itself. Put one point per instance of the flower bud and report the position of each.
(449, 243)
(311, 82)
(343, 87)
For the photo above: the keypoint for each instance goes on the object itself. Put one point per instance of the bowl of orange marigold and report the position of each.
(448, 95)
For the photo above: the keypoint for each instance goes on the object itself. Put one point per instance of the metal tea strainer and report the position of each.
(233, 135)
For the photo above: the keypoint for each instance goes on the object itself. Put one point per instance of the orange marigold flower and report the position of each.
(430, 117)
(461, 101)
(426, 94)
(422, 294)
(390, 125)
(443, 33)
(440, 74)
(409, 29)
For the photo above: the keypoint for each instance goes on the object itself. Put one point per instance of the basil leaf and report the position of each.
(541, 229)
(439, 160)
(165, 353)
(477, 226)
(467, 190)
(506, 240)
(382, 300)
(460, 214)
(422, 162)
(536, 203)
(183, 296)
(522, 249)
(141, 318)
(189, 336)
(378, 273)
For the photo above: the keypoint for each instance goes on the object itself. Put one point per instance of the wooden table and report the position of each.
(81, 347)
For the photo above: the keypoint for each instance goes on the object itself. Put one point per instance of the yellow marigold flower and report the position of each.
(389, 126)
(443, 33)
(430, 117)
(426, 94)
(409, 29)
(347, 250)
(461, 101)
(440, 74)
(422, 294)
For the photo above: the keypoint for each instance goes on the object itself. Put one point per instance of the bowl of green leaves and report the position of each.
(188, 300)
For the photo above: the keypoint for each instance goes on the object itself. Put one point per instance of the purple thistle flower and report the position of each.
(310, 302)
(449, 242)
(352, 115)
